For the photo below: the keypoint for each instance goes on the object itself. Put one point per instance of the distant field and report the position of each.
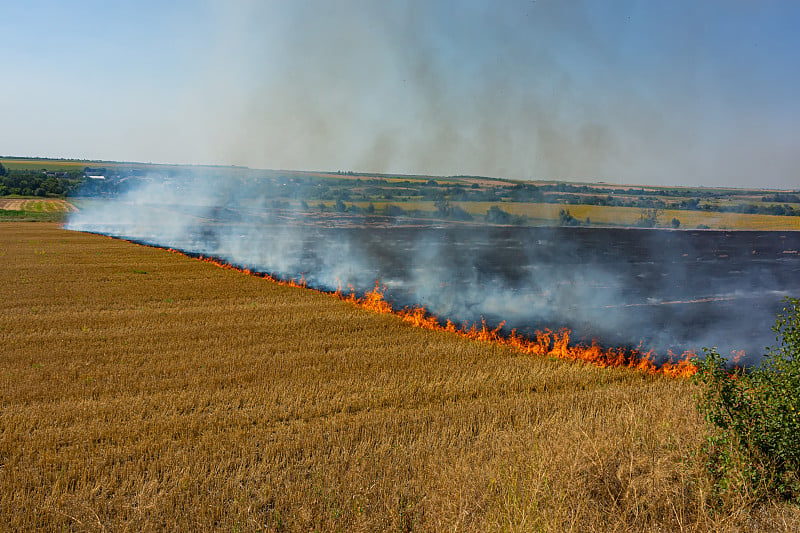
(34, 209)
(417, 192)
(76, 164)
(630, 215)
(536, 212)
(37, 205)
(609, 215)
(142, 390)
(38, 164)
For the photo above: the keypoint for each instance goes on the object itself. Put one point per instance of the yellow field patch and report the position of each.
(38, 164)
(611, 215)
(11, 204)
(688, 219)
(41, 205)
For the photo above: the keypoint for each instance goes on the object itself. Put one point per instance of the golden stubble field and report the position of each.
(142, 390)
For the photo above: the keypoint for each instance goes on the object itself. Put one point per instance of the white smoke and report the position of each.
(459, 273)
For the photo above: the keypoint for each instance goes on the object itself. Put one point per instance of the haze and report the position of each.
(673, 93)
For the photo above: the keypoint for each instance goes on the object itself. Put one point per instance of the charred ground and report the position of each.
(655, 289)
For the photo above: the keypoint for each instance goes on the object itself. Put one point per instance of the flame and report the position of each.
(547, 343)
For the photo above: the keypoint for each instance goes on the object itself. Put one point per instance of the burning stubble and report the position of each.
(650, 290)
(192, 397)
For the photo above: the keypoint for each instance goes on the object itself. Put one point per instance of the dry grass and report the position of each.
(141, 390)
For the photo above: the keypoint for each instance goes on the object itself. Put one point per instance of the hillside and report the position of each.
(441, 198)
(141, 389)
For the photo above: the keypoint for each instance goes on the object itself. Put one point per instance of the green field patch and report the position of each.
(31, 216)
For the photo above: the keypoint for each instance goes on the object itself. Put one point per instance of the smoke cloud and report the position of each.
(657, 289)
(670, 93)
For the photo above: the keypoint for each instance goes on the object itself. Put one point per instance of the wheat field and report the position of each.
(143, 390)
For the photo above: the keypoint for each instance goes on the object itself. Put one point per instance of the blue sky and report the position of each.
(674, 92)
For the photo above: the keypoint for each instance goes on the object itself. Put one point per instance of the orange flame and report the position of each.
(547, 343)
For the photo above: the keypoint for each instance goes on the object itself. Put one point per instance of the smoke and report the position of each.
(552, 90)
(666, 93)
(660, 290)
(448, 88)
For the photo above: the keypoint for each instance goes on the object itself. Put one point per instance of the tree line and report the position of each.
(445, 193)
(38, 182)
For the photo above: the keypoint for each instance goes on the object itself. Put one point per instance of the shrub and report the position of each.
(565, 218)
(495, 215)
(458, 213)
(392, 210)
(754, 416)
(648, 218)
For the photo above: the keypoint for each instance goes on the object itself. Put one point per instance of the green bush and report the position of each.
(565, 218)
(495, 215)
(754, 416)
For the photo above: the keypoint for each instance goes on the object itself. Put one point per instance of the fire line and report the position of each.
(548, 343)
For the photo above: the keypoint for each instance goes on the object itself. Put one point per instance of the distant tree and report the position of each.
(526, 193)
(495, 215)
(394, 211)
(371, 208)
(52, 186)
(519, 220)
(649, 218)
(691, 204)
(339, 207)
(3, 171)
(781, 197)
(457, 213)
(443, 208)
(675, 223)
(565, 218)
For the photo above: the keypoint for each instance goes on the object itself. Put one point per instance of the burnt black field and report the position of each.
(664, 290)
(661, 289)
